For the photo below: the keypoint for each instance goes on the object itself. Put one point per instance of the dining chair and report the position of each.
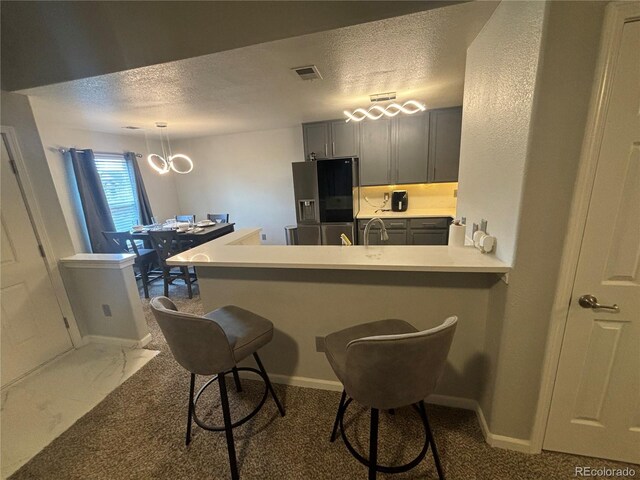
(215, 217)
(167, 244)
(186, 218)
(386, 365)
(146, 258)
(213, 344)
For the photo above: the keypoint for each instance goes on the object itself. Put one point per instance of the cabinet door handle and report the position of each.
(396, 224)
(333, 149)
(325, 150)
(428, 224)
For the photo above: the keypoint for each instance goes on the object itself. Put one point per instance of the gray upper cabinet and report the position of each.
(411, 148)
(375, 152)
(316, 139)
(344, 139)
(331, 139)
(420, 148)
(445, 126)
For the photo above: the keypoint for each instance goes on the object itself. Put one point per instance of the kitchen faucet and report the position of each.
(383, 232)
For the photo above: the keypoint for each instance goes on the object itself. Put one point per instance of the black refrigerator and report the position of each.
(327, 200)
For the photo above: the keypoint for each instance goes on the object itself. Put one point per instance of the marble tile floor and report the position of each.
(41, 406)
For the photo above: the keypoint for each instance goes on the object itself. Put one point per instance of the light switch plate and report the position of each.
(264, 236)
(106, 309)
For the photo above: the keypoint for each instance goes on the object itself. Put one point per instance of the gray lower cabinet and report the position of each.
(427, 237)
(445, 127)
(409, 231)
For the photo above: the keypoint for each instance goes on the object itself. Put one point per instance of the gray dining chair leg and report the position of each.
(226, 413)
(334, 432)
(373, 444)
(144, 275)
(268, 382)
(165, 279)
(190, 415)
(432, 441)
(187, 280)
(236, 378)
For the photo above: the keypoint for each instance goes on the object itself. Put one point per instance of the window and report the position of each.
(119, 184)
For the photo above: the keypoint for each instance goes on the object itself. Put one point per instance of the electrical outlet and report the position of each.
(320, 344)
(264, 236)
(386, 196)
(106, 309)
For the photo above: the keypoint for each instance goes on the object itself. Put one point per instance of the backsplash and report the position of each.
(421, 195)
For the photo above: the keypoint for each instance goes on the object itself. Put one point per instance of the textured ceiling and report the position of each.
(421, 56)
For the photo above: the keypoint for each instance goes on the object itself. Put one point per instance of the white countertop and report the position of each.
(370, 212)
(99, 260)
(222, 252)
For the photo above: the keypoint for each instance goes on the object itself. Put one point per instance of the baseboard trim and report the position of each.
(306, 382)
(123, 342)
(494, 440)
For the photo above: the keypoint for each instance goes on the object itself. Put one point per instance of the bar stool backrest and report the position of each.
(392, 371)
(197, 343)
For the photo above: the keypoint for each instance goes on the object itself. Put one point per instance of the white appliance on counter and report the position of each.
(326, 200)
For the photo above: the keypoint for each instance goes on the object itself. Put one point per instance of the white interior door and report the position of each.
(595, 409)
(33, 329)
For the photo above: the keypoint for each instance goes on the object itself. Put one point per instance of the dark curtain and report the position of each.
(143, 199)
(97, 214)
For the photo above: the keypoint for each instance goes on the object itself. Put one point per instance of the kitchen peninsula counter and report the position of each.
(242, 249)
(311, 291)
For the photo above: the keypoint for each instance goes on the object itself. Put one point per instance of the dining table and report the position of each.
(196, 236)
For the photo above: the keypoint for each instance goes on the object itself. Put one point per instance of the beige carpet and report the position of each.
(137, 432)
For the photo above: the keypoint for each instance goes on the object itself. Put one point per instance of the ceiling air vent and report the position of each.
(308, 73)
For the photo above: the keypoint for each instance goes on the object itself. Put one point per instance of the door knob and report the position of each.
(589, 301)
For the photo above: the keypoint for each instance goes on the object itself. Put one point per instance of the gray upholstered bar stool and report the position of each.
(213, 345)
(385, 365)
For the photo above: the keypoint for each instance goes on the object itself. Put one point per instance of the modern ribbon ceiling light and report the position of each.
(167, 161)
(376, 112)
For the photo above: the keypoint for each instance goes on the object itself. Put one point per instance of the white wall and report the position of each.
(529, 78)
(500, 77)
(161, 189)
(247, 175)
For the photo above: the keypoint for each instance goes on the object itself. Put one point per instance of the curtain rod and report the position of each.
(65, 150)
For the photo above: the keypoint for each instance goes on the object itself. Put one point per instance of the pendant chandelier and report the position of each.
(376, 112)
(167, 161)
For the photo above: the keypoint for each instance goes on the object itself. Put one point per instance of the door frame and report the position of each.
(51, 261)
(616, 15)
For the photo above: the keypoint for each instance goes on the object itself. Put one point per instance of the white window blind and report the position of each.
(119, 186)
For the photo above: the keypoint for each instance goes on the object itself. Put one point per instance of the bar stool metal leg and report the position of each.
(226, 413)
(334, 432)
(236, 378)
(268, 382)
(190, 415)
(432, 441)
(373, 444)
